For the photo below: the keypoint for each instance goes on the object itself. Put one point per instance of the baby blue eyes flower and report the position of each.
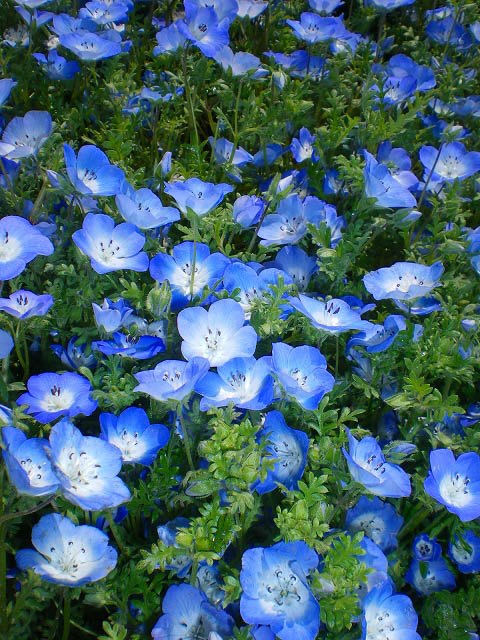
(169, 39)
(312, 28)
(451, 32)
(131, 432)
(6, 85)
(177, 269)
(403, 280)
(367, 465)
(23, 137)
(276, 591)
(25, 304)
(240, 63)
(251, 8)
(384, 187)
(199, 196)
(67, 554)
(112, 315)
(6, 343)
(218, 334)
(388, 616)
(89, 46)
(324, 6)
(20, 242)
(87, 468)
(299, 266)
(401, 65)
(111, 247)
(172, 379)
(455, 483)
(51, 395)
(56, 66)
(334, 316)
(388, 5)
(91, 172)
(430, 576)
(73, 356)
(378, 520)
(188, 615)
(244, 381)
(289, 447)
(426, 549)
(466, 553)
(127, 346)
(302, 148)
(203, 28)
(247, 210)
(379, 337)
(103, 13)
(144, 209)
(27, 463)
(454, 162)
(302, 372)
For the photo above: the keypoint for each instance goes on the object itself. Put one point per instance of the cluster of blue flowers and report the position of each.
(245, 278)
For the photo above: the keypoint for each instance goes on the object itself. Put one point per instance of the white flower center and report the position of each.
(35, 471)
(173, 378)
(130, 445)
(454, 489)
(371, 524)
(183, 277)
(80, 468)
(378, 627)
(10, 247)
(58, 399)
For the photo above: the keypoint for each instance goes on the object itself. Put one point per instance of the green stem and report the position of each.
(66, 613)
(115, 533)
(19, 514)
(259, 224)
(381, 25)
(420, 513)
(10, 187)
(337, 355)
(186, 441)
(190, 103)
(193, 575)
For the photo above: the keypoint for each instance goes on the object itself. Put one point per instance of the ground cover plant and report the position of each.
(239, 319)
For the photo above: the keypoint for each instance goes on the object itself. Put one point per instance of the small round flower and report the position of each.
(91, 172)
(20, 242)
(334, 316)
(455, 483)
(25, 304)
(128, 346)
(131, 432)
(403, 280)
(385, 613)
(6, 343)
(51, 395)
(67, 554)
(23, 137)
(111, 247)
(197, 195)
(466, 553)
(172, 379)
(377, 519)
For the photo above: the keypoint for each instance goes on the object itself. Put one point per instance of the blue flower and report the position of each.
(27, 463)
(110, 247)
(251, 8)
(244, 381)
(247, 210)
(90, 46)
(239, 63)
(218, 334)
(144, 209)
(6, 343)
(382, 185)
(426, 549)
(384, 613)
(377, 519)
(455, 483)
(399, 163)
(51, 395)
(177, 269)
(167, 533)
(23, 137)
(204, 29)
(20, 242)
(172, 379)
(378, 337)
(112, 315)
(186, 610)
(394, 90)
(374, 559)
(73, 356)
(56, 66)
(87, 468)
(226, 10)
(401, 65)
(428, 577)
(276, 591)
(199, 196)
(312, 28)
(104, 13)
(302, 372)
(403, 280)
(127, 346)
(91, 172)
(466, 553)
(6, 85)
(252, 285)
(288, 224)
(334, 316)
(451, 32)
(222, 151)
(453, 163)
(325, 6)
(288, 447)
(302, 148)
(25, 304)
(420, 306)
(131, 432)
(299, 266)
(367, 465)
(169, 39)
(67, 554)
